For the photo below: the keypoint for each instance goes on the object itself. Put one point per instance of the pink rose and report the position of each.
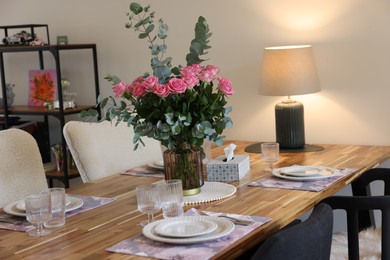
(192, 70)
(225, 86)
(177, 86)
(138, 90)
(161, 90)
(119, 89)
(137, 81)
(191, 81)
(150, 83)
(209, 73)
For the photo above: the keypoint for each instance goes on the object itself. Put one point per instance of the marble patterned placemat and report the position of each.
(17, 223)
(145, 171)
(142, 246)
(317, 185)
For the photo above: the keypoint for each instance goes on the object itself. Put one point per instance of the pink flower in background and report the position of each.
(137, 80)
(150, 83)
(191, 81)
(225, 86)
(177, 86)
(161, 90)
(192, 70)
(139, 90)
(119, 89)
(209, 73)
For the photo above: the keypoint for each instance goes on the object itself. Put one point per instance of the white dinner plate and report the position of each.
(304, 173)
(224, 228)
(11, 208)
(21, 205)
(157, 164)
(185, 227)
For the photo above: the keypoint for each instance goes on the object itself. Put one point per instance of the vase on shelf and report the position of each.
(185, 163)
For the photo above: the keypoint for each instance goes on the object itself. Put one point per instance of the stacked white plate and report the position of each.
(304, 173)
(18, 208)
(188, 229)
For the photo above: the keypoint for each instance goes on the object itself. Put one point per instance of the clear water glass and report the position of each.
(38, 210)
(57, 208)
(172, 198)
(270, 154)
(148, 201)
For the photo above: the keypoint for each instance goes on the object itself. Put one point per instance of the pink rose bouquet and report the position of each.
(175, 105)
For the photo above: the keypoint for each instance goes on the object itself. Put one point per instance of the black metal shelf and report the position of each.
(56, 51)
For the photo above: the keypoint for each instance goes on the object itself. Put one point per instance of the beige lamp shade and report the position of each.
(289, 70)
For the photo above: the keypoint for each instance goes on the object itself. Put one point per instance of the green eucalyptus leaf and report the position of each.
(149, 29)
(176, 128)
(161, 72)
(219, 140)
(136, 8)
(143, 35)
(168, 118)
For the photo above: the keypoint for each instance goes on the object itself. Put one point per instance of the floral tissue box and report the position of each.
(220, 170)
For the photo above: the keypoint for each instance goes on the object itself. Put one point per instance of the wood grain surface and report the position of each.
(88, 234)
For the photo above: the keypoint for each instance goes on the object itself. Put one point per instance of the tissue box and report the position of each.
(234, 170)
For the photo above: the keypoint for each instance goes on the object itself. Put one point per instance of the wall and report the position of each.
(350, 40)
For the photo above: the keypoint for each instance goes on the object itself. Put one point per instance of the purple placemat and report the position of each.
(145, 171)
(21, 224)
(142, 246)
(90, 202)
(318, 185)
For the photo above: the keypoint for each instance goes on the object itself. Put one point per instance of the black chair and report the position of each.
(309, 240)
(359, 208)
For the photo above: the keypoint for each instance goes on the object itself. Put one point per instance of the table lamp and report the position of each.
(287, 71)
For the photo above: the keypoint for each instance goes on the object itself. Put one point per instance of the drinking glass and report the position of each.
(172, 198)
(57, 208)
(38, 210)
(270, 154)
(148, 201)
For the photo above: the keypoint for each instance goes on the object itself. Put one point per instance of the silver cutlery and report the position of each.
(236, 221)
(11, 221)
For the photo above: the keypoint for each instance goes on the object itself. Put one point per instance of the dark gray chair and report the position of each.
(359, 208)
(309, 240)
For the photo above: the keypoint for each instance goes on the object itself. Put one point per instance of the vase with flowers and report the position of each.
(179, 106)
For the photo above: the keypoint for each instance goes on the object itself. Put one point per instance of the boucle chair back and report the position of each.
(21, 167)
(103, 149)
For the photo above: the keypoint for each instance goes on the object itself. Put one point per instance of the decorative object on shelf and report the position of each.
(42, 87)
(37, 42)
(62, 40)
(178, 106)
(21, 37)
(25, 35)
(9, 88)
(57, 151)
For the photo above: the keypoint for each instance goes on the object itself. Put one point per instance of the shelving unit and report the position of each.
(56, 50)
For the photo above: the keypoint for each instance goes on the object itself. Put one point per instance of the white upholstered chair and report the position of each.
(21, 167)
(103, 149)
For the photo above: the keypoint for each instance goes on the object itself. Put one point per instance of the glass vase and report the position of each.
(185, 163)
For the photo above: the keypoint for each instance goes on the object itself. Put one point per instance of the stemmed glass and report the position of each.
(270, 154)
(149, 201)
(38, 210)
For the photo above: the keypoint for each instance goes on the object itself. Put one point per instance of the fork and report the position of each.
(236, 221)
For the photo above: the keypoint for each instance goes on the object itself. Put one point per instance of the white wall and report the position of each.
(350, 40)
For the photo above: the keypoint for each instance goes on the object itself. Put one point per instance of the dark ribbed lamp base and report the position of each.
(290, 126)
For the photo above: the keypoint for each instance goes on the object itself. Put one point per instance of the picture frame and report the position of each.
(42, 87)
(62, 40)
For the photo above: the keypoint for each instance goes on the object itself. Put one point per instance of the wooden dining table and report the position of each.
(88, 234)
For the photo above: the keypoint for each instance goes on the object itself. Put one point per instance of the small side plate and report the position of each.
(185, 227)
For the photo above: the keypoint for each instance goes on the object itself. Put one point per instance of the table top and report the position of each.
(88, 234)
